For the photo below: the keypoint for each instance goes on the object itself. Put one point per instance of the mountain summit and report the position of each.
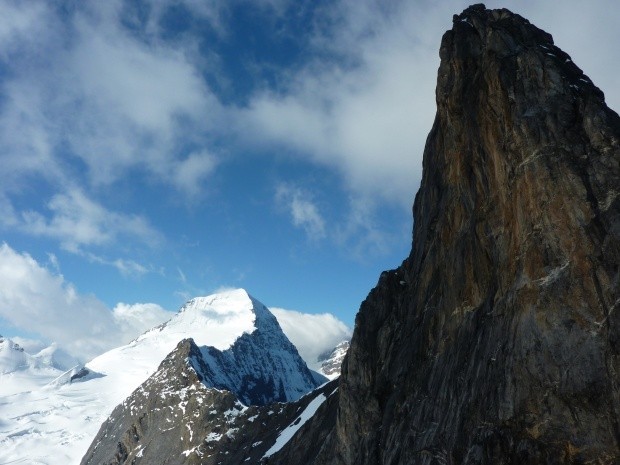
(497, 341)
(223, 324)
(198, 391)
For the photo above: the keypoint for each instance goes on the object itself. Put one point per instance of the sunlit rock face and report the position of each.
(497, 340)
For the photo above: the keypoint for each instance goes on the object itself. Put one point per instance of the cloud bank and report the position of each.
(41, 301)
(312, 334)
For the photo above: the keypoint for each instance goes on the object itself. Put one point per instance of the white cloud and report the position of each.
(312, 334)
(134, 319)
(77, 221)
(41, 302)
(368, 111)
(189, 173)
(138, 102)
(304, 212)
(85, 85)
(370, 120)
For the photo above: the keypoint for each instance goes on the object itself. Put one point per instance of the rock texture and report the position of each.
(497, 340)
(175, 418)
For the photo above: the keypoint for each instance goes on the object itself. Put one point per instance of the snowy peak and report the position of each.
(250, 357)
(243, 350)
(13, 357)
(216, 320)
(174, 417)
(199, 391)
(331, 361)
(55, 357)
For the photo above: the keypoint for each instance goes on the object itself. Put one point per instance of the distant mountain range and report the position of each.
(52, 410)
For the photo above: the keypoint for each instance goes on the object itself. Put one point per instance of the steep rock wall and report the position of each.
(497, 340)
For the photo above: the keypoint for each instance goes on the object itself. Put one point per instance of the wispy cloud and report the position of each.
(303, 212)
(126, 267)
(77, 221)
(182, 276)
(84, 85)
(188, 174)
(38, 300)
(360, 233)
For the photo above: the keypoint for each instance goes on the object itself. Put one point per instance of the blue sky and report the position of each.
(156, 150)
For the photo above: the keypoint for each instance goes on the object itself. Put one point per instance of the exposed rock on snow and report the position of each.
(175, 418)
(55, 420)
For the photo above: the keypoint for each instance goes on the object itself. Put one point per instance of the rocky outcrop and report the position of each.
(497, 341)
(176, 418)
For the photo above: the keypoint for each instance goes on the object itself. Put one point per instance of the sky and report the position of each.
(156, 150)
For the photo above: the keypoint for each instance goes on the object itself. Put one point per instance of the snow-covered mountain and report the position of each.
(331, 361)
(56, 420)
(175, 417)
(13, 358)
(22, 371)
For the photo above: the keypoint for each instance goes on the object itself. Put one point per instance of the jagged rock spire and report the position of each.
(498, 339)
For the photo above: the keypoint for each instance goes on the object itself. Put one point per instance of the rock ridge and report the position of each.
(178, 417)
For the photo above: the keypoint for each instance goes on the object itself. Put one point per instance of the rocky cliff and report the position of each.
(497, 340)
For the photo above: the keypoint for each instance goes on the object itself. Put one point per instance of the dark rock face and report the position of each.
(174, 418)
(497, 341)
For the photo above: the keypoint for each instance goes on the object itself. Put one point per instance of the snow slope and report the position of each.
(287, 434)
(54, 422)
